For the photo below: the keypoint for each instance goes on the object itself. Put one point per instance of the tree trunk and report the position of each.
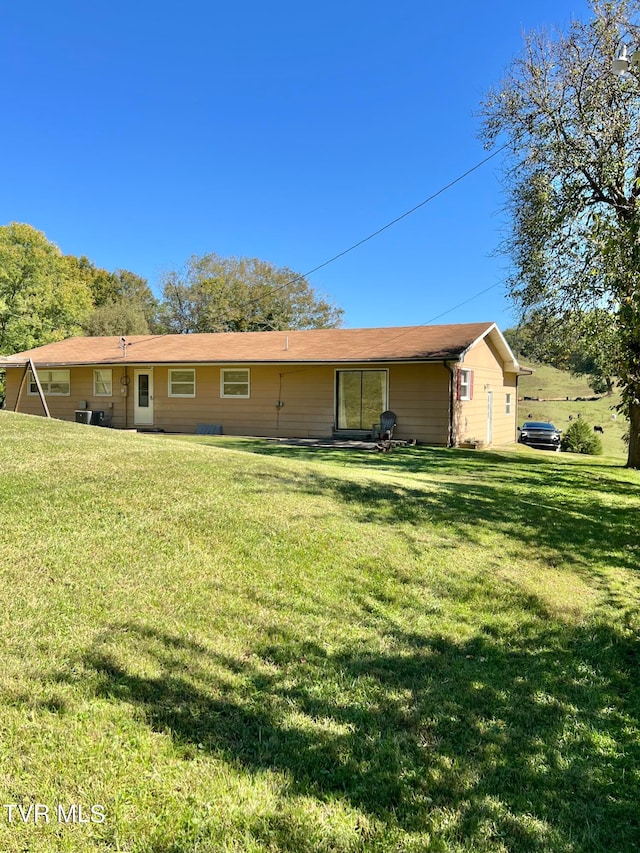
(633, 459)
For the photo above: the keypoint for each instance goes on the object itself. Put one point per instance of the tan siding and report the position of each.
(472, 415)
(418, 394)
(308, 395)
(64, 408)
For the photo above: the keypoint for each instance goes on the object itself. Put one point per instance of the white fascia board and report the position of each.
(500, 343)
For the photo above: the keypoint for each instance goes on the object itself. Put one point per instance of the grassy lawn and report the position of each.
(231, 645)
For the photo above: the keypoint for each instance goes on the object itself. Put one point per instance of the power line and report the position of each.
(408, 212)
(402, 216)
(402, 333)
(388, 225)
(398, 219)
(460, 304)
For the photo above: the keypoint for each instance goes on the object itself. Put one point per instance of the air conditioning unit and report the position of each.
(83, 416)
(97, 418)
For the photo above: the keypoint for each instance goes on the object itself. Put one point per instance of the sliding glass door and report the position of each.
(361, 397)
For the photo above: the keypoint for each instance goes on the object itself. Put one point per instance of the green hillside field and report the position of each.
(553, 387)
(226, 645)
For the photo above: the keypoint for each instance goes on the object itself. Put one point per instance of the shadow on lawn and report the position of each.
(527, 741)
(582, 530)
(409, 459)
(563, 507)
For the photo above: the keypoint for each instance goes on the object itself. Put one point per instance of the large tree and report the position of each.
(40, 299)
(119, 317)
(572, 130)
(217, 294)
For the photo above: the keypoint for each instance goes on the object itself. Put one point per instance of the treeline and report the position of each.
(47, 296)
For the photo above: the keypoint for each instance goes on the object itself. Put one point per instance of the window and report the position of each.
(361, 398)
(182, 383)
(465, 384)
(234, 383)
(102, 383)
(508, 404)
(55, 383)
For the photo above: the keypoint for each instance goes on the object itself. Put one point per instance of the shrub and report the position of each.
(580, 438)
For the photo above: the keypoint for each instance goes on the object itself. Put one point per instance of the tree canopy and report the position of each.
(573, 182)
(46, 296)
(123, 302)
(40, 301)
(217, 294)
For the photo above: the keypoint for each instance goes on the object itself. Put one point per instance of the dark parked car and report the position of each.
(540, 434)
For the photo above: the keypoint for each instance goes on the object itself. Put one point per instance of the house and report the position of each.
(447, 384)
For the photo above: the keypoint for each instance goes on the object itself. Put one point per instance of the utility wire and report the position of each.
(393, 222)
(403, 331)
(460, 304)
(388, 225)
(402, 216)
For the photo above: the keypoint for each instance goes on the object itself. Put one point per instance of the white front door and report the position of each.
(143, 397)
(489, 417)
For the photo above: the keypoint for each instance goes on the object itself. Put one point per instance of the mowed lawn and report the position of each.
(227, 645)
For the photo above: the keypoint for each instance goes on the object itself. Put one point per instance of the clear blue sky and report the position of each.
(139, 133)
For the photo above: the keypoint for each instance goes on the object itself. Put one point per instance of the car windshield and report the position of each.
(537, 425)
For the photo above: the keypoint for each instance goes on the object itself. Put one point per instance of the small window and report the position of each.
(182, 383)
(508, 404)
(234, 383)
(55, 383)
(102, 383)
(465, 384)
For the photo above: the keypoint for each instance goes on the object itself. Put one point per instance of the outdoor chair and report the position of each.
(384, 430)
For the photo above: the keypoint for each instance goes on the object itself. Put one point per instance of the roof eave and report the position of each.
(413, 359)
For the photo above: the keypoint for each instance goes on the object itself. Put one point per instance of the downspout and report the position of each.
(517, 405)
(452, 391)
(126, 397)
(279, 402)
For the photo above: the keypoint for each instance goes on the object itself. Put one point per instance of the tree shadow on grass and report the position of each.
(585, 530)
(419, 459)
(529, 740)
(566, 507)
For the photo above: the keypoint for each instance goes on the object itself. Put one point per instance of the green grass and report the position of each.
(233, 645)
(552, 386)
(547, 381)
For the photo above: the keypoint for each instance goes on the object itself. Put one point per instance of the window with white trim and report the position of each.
(508, 404)
(234, 382)
(182, 382)
(465, 384)
(103, 383)
(54, 383)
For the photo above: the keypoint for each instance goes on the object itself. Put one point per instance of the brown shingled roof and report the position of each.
(409, 343)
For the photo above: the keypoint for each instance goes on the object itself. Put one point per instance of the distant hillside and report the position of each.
(549, 389)
(547, 381)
